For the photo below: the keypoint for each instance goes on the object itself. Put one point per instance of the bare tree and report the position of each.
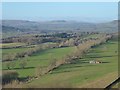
(8, 65)
(39, 70)
(13, 64)
(22, 64)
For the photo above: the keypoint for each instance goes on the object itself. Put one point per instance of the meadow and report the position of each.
(78, 73)
(43, 58)
(83, 74)
(13, 50)
(8, 45)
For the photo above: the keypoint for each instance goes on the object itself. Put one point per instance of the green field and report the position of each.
(6, 51)
(13, 50)
(81, 72)
(11, 44)
(77, 74)
(92, 36)
(43, 58)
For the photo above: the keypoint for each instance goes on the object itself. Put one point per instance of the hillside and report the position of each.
(58, 25)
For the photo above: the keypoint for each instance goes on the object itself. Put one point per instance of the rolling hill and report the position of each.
(24, 26)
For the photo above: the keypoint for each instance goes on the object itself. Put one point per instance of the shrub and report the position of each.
(8, 65)
(8, 76)
(13, 64)
(8, 57)
(39, 70)
(22, 64)
(20, 55)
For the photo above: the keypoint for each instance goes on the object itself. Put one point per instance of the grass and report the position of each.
(13, 50)
(101, 82)
(11, 44)
(43, 58)
(6, 51)
(81, 72)
(92, 36)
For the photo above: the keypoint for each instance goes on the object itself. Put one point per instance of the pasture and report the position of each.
(9, 45)
(81, 73)
(43, 58)
(13, 50)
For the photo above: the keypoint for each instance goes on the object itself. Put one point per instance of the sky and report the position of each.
(60, 0)
(42, 11)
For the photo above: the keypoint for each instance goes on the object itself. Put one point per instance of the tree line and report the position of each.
(29, 52)
(79, 51)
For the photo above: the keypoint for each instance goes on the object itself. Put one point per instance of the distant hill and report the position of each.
(6, 29)
(108, 27)
(57, 25)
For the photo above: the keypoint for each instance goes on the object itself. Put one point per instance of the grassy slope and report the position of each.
(92, 36)
(11, 44)
(80, 73)
(101, 82)
(13, 50)
(40, 59)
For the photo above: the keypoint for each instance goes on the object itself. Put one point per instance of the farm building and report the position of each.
(94, 61)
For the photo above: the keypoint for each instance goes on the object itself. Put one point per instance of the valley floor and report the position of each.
(83, 74)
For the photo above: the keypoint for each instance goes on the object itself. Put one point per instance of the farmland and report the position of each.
(69, 58)
(81, 72)
(41, 58)
(59, 45)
